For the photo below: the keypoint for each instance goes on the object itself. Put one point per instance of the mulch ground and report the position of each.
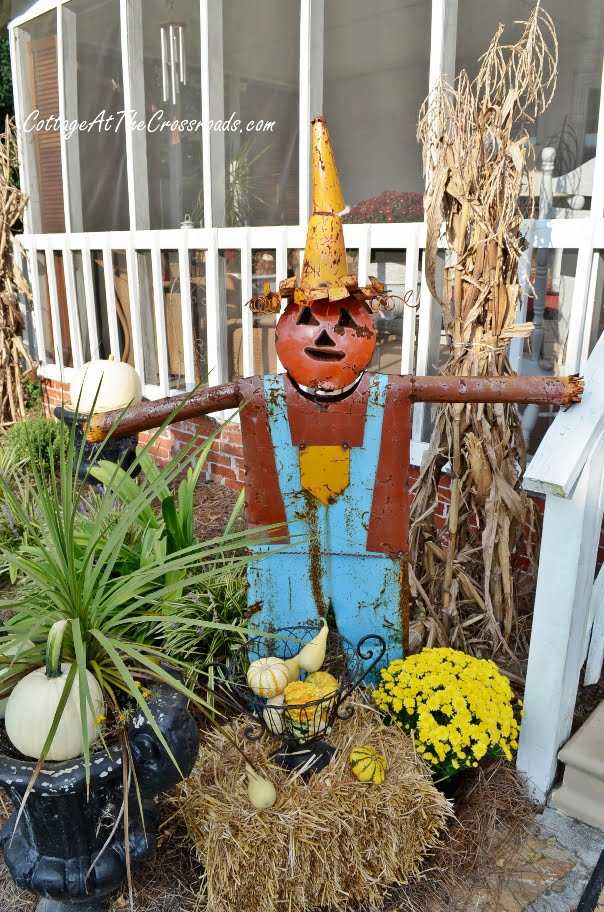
(213, 507)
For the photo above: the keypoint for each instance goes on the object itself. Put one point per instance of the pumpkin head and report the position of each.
(327, 347)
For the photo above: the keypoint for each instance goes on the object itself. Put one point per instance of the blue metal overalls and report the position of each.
(331, 564)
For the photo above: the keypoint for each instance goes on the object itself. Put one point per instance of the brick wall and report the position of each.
(225, 461)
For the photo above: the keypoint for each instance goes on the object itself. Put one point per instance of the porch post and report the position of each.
(579, 333)
(443, 39)
(131, 25)
(569, 543)
(68, 111)
(214, 185)
(212, 107)
(312, 31)
(28, 173)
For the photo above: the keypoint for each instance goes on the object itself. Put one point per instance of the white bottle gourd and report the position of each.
(273, 718)
(261, 792)
(293, 669)
(33, 703)
(312, 656)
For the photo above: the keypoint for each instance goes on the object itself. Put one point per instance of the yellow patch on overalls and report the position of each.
(325, 471)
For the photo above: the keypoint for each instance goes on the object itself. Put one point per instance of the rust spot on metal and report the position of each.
(403, 603)
(554, 390)
(389, 520)
(314, 553)
(253, 609)
(316, 422)
(264, 502)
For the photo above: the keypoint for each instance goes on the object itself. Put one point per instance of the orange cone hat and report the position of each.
(324, 272)
(325, 254)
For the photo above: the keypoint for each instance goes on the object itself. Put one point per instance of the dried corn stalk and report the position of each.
(475, 145)
(14, 358)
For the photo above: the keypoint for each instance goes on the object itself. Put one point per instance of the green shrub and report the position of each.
(32, 391)
(13, 533)
(38, 435)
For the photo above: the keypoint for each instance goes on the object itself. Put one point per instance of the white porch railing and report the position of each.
(568, 619)
(408, 238)
(418, 350)
(421, 330)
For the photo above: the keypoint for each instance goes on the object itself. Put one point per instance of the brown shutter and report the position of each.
(45, 98)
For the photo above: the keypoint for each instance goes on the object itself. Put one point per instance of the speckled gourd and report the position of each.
(367, 764)
(268, 676)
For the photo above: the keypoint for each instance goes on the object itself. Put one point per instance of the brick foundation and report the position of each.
(225, 461)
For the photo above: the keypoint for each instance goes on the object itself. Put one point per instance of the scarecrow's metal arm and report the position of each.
(551, 390)
(148, 415)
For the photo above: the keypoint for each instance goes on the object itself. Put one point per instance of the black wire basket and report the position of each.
(300, 727)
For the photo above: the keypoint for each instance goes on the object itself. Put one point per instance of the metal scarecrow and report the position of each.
(326, 444)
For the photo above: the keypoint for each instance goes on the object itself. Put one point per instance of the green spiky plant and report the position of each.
(76, 598)
(222, 598)
(12, 533)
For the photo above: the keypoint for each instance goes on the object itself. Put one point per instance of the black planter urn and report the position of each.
(119, 450)
(69, 849)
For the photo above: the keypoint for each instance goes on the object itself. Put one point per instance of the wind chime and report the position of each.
(173, 60)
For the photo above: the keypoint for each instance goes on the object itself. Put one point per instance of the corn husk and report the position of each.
(475, 143)
(15, 361)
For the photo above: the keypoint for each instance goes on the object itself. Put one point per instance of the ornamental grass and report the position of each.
(459, 708)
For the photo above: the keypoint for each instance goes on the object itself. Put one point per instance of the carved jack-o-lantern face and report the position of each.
(328, 347)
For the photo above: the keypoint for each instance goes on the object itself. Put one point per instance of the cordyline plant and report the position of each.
(78, 595)
(475, 146)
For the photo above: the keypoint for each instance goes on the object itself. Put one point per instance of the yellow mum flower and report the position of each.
(461, 708)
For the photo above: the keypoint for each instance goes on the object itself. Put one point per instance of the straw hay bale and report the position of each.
(330, 842)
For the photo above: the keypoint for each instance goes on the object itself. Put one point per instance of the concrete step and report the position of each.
(581, 794)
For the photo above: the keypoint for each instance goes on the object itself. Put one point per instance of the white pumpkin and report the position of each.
(116, 383)
(31, 708)
(15, 650)
(268, 677)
